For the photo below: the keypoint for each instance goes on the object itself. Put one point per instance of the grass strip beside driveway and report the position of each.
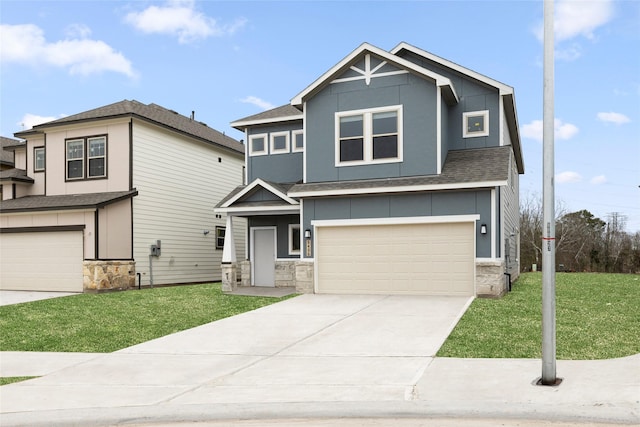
(106, 322)
(597, 317)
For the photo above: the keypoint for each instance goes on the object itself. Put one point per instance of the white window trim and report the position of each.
(217, 229)
(272, 141)
(465, 118)
(103, 156)
(295, 133)
(263, 152)
(290, 239)
(368, 136)
(35, 159)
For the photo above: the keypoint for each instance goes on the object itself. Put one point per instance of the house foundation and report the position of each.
(108, 275)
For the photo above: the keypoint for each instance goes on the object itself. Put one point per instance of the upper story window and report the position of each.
(86, 158)
(258, 144)
(475, 123)
(279, 142)
(38, 159)
(298, 140)
(369, 136)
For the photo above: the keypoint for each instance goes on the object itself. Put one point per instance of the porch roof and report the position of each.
(64, 202)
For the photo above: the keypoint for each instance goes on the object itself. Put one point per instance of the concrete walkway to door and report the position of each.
(312, 357)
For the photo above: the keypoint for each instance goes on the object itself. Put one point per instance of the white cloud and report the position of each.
(600, 179)
(568, 177)
(612, 117)
(26, 44)
(179, 18)
(575, 18)
(254, 100)
(80, 31)
(30, 120)
(562, 130)
(570, 53)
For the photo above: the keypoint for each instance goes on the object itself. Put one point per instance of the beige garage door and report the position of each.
(424, 259)
(44, 261)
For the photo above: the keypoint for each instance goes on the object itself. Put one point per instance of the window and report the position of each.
(86, 157)
(97, 156)
(369, 136)
(220, 232)
(279, 142)
(38, 159)
(294, 239)
(258, 144)
(75, 159)
(298, 140)
(475, 123)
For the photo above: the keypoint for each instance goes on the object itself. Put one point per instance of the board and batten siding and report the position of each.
(179, 181)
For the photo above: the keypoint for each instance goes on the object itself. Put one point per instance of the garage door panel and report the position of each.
(436, 259)
(44, 261)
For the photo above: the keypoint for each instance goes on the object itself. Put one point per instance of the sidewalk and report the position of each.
(315, 358)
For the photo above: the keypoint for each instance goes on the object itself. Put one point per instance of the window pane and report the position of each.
(385, 147)
(385, 123)
(75, 149)
(295, 239)
(96, 147)
(220, 232)
(39, 155)
(74, 169)
(257, 144)
(280, 142)
(351, 149)
(96, 167)
(299, 142)
(475, 124)
(351, 126)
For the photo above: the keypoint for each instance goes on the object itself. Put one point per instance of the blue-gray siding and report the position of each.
(275, 167)
(281, 223)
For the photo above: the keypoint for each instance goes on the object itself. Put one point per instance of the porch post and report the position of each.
(229, 265)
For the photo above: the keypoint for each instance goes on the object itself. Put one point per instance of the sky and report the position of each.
(225, 60)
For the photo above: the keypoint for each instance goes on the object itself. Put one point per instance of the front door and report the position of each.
(263, 256)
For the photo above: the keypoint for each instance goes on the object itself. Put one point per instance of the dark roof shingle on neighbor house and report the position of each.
(15, 175)
(282, 113)
(153, 113)
(461, 168)
(64, 202)
(7, 145)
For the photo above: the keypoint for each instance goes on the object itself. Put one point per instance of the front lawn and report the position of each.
(102, 323)
(597, 317)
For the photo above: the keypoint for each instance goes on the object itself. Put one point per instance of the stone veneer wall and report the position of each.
(304, 277)
(285, 273)
(244, 271)
(490, 279)
(108, 275)
(288, 273)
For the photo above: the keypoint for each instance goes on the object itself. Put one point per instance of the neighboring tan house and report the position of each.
(126, 188)
(7, 146)
(393, 173)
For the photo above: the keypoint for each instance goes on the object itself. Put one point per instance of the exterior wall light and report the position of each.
(483, 229)
(307, 234)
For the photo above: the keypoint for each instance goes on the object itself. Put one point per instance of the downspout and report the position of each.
(151, 270)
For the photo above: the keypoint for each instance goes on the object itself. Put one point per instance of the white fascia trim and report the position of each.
(244, 124)
(257, 210)
(439, 130)
(493, 223)
(504, 89)
(409, 188)
(304, 149)
(440, 219)
(263, 184)
(389, 57)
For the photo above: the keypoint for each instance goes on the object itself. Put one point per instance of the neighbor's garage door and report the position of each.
(427, 259)
(43, 261)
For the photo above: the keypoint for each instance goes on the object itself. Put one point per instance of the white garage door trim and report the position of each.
(42, 261)
(468, 220)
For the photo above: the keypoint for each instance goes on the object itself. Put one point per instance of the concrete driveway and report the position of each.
(17, 297)
(307, 349)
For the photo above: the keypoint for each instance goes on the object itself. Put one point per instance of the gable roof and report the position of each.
(152, 113)
(471, 168)
(284, 113)
(449, 93)
(64, 202)
(7, 145)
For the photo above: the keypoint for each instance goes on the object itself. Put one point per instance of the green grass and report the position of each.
(108, 322)
(597, 317)
(11, 380)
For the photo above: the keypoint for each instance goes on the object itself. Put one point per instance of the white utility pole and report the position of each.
(548, 207)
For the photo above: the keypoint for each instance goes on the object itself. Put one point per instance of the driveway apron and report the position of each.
(306, 349)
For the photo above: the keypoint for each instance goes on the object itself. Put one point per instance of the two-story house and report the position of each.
(116, 197)
(394, 172)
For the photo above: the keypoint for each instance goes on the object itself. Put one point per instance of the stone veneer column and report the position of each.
(304, 277)
(245, 273)
(490, 278)
(229, 277)
(108, 275)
